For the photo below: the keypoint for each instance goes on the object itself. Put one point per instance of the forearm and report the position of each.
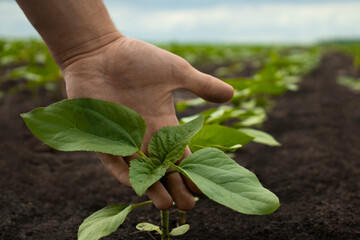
(70, 27)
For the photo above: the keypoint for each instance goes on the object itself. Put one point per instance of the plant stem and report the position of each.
(172, 164)
(170, 172)
(141, 153)
(141, 204)
(182, 215)
(165, 224)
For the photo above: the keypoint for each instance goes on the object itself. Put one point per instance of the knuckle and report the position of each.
(181, 70)
(163, 203)
(186, 204)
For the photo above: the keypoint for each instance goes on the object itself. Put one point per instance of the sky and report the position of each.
(260, 21)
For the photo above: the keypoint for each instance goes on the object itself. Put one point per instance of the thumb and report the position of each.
(208, 87)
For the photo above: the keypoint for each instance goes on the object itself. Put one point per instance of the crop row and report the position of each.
(257, 73)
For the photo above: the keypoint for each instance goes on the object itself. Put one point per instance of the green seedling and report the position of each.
(351, 82)
(149, 227)
(278, 69)
(29, 66)
(180, 230)
(93, 125)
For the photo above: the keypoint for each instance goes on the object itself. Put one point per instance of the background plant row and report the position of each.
(257, 73)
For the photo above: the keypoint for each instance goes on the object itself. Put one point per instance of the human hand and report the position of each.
(142, 77)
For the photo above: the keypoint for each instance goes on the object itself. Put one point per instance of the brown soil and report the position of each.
(45, 194)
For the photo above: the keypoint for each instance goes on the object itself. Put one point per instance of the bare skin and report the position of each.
(111, 67)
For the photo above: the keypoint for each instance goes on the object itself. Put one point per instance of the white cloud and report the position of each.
(282, 22)
(296, 22)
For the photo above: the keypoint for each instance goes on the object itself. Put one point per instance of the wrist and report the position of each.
(71, 28)
(89, 45)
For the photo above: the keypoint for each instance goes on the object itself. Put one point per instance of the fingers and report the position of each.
(208, 87)
(120, 170)
(188, 182)
(180, 188)
(175, 184)
(117, 167)
(183, 199)
(160, 196)
(177, 187)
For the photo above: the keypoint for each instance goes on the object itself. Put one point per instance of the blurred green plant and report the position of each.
(351, 48)
(279, 69)
(350, 82)
(27, 65)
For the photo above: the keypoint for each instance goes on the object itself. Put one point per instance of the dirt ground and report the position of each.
(45, 194)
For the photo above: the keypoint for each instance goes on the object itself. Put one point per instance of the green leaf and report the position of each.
(267, 88)
(350, 82)
(239, 83)
(148, 227)
(180, 230)
(221, 137)
(169, 143)
(88, 125)
(144, 172)
(218, 116)
(260, 136)
(188, 119)
(103, 222)
(221, 179)
(256, 116)
(181, 106)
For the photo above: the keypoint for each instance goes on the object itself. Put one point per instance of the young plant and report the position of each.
(93, 125)
(28, 65)
(279, 70)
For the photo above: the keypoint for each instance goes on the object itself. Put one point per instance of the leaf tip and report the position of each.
(272, 206)
(24, 115)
